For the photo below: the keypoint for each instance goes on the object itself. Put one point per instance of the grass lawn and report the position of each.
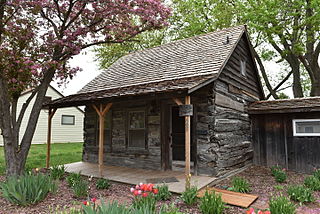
(61, 153)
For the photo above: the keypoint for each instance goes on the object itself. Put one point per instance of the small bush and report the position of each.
(80, 188)
(316, 174)
(211, 203)
(280, 176)
(163, 193)
(73, 178)
(27, 189)
(312, 182)
(169, 209)
(103, 183)
(274, 169)
(189, 196)
(279, 187)
(300, 194)
(57, 172)
(110, 208)
(281, 205)
(240, 185)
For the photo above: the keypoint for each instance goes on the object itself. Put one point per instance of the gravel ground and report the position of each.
(260, 179)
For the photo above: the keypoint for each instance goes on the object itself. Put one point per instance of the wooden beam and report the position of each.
(101, 111)
(177, 101)
(187, 145)
(50, 116)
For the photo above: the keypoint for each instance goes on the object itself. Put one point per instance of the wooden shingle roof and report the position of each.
(197, 56)
(308, 104)
(183, 65)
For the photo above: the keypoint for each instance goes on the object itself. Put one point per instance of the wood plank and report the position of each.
(232, 198)
(229, 103)
(187, 144)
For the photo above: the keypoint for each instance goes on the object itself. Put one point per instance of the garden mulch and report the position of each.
(260, 179)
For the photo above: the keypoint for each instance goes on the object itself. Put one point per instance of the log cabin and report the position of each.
(179, 105)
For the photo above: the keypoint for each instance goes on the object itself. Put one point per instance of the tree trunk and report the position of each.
(14, 163)
(315, 86)
(295, 66)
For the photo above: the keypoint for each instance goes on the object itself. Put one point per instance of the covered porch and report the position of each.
(174, 179)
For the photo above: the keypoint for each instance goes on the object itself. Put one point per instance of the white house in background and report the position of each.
(67, 123)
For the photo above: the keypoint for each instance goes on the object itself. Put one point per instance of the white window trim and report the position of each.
(68, 124)
(303, 134)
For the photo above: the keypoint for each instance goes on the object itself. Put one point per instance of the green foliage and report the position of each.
(211, 203)
(110, 208)
(300, 194)
(280, 176)
(163, 193)
(278, 187)
(57, 172)
(169, 209)
(144, 203)
(316, 174)
(80, 188)
(103, 183)
(27, 189)
(312, 182)
(240, 184)
(189, 196)
(281, 205)
(275, 169)
(73, 178)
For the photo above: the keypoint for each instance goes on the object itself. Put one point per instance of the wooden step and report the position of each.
(230, 197)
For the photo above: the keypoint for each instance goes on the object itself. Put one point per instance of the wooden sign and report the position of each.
(185, 110)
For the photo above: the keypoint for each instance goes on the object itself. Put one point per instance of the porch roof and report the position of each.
(309, 104)
(182, 85)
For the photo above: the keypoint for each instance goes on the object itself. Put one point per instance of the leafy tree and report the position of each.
(38, 37)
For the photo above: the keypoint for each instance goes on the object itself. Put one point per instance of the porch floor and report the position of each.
(134, 176)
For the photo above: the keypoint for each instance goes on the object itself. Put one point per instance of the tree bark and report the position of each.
(295, 68)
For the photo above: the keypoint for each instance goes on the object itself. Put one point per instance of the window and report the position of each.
(306, 127)
(68, 120)
(243, 67)
(136, 129)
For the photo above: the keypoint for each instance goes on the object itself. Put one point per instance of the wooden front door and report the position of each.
(178, 136)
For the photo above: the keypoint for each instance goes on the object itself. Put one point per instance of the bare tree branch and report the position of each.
(280, 84)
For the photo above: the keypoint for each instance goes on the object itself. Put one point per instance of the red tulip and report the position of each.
(155, 191)
(85, 203)
(267, 212)
(136, 192)
(94, 200)
(145, 194)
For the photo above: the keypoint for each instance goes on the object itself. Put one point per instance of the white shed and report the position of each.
(67, 123)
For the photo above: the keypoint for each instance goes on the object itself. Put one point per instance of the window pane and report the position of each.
(308, 127)
(136, 120)
(137, 138)
(67, 120)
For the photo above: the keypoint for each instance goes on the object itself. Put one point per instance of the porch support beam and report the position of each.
(50, 116)
(187, 145)
(177, 101)
(102, 110)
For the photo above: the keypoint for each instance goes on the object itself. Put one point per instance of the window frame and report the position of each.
(68, 124)
(129, 147)
(294, 129)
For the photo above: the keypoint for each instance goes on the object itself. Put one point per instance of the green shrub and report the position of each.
(103, 183)
(312, 182)
(163, 193)
(316, 174)
(274, 169)
(73, 178)
(240, 185)
(300, 194)
(278, 187)
(211, 203)
(144, 203)
(80, 188)
(281, 205)
(27, 189)
(280, 176)
(189, 196)
(57, 172)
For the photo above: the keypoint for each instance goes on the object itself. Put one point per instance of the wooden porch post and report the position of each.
(102, 111)
(187, 145)
(50, 116)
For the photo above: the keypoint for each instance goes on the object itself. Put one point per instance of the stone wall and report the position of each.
(118, 153)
